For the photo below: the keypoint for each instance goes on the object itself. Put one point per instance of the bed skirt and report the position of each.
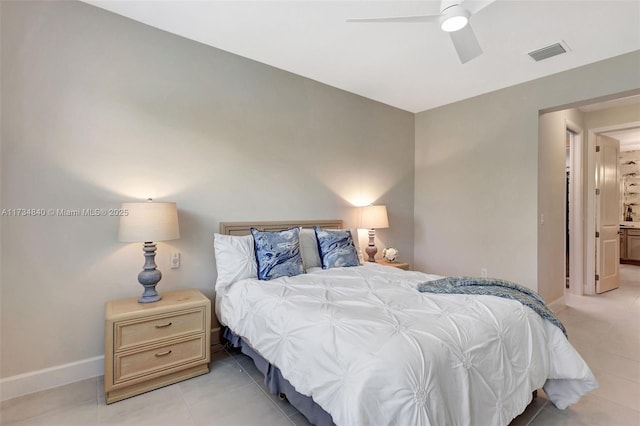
(279, 385)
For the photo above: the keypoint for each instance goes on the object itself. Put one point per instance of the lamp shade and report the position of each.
(374, 217)
(149, 221)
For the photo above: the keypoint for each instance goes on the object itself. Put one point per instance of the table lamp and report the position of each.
(372, 218)
(148, 222)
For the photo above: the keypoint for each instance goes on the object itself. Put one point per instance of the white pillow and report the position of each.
(235, 258)
(309, 247)
(356, 242)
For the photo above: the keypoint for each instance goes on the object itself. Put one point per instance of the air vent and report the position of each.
(549, 51)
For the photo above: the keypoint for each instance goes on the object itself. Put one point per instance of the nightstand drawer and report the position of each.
(149, 330)
(162, 358)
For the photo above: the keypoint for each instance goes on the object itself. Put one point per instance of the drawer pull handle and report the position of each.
(163, 325)
(158, 355)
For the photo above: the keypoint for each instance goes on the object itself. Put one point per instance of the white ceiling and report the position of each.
(629, 139)
(412, 66)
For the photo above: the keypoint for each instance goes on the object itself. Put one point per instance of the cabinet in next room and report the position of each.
(630, 246)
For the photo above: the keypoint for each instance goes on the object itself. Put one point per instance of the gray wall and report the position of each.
(612, 116)
(478, 197)
(98, 109)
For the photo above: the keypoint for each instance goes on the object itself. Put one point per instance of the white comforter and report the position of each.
(371, 350)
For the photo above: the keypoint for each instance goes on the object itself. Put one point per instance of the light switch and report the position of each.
(175, 260)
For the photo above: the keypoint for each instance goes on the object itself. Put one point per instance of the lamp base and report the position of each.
(371, 249)
(149, 276)
(149, 295)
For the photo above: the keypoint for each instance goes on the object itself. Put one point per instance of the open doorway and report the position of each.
(604, 233)
(568, 144)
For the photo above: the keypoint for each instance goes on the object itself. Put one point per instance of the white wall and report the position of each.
(477, 197)
(98, 109)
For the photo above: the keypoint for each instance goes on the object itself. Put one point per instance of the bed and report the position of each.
(359, 345)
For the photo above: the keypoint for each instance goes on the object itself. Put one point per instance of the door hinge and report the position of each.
(597, 148)
(597, 277)
(597, 234)
(597, 191)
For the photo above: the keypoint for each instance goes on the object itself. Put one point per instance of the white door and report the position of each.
(609, 216)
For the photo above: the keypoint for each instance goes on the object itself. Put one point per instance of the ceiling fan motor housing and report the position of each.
(454, 18)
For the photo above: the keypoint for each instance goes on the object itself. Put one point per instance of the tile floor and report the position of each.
(604, 329)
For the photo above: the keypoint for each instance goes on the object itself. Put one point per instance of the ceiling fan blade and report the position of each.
(475, 6)
(466, 44)
(417, 18)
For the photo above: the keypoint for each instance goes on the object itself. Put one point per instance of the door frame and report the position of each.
(576, 208)
(590, 229)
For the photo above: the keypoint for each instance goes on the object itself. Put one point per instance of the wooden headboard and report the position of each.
(244, 228)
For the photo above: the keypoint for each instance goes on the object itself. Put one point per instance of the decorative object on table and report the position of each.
(372, 218)
(149, 222)
(390, 254)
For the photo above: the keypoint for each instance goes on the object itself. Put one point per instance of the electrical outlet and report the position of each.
(175, 260)
(484, 273)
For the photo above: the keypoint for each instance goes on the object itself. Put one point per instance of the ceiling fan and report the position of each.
(453, 18)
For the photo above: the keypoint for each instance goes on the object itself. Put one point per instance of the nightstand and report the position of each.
(400, 265)
(150, 345)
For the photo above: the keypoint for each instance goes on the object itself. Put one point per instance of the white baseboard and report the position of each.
(215, 336)
(557, 305)
(35, 381)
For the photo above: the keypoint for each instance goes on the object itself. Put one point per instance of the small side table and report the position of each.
(400, 265)
(150, 345)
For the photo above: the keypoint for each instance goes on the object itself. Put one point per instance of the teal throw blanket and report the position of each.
(492, 287)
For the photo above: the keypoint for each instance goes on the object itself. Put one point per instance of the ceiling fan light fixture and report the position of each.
(454, 19)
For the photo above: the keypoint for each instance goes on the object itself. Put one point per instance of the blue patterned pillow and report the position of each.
(336, 248)
(278, 253)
